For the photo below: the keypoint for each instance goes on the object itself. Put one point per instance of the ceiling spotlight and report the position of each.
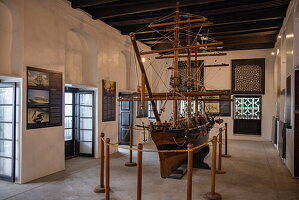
(272, 53)
(143, 59)
(279, 36)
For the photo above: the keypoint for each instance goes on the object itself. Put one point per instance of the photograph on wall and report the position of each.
(38, 97)
(109, 101)
(37, 116)
(44, 98)
(212, 107)
(220, 108)
(38, 79)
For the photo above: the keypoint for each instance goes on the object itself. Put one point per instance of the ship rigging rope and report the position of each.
(156, 21)
(159, 151)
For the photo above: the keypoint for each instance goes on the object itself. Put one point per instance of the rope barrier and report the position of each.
(159, 151)
(190, 150)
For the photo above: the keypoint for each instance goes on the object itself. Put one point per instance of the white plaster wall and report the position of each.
(220, 79)
(285, 63)
(49, 32)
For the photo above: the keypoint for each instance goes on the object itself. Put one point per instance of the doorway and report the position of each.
(7, 131)
(247, 115)
(79, 122)
(125, 119)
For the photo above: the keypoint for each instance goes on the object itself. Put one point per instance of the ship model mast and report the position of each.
(178, 132)
(175, 95)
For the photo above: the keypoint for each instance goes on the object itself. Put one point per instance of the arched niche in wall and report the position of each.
(5, 39)
(10, 39)
(126, 61)
(81, 59)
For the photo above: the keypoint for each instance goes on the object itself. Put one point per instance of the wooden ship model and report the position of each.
(196, 125)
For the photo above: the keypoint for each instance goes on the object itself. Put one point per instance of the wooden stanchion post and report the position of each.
(139, 172)
(213, 195)
(107, 170)
(101, 188)
(189, 172)
(226, 155)
(131, 163)
(219, 170)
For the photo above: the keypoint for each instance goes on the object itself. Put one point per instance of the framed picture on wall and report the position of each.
(220, 108)
(212, 107)
(44, 98)
(248, 76)
(109, 101)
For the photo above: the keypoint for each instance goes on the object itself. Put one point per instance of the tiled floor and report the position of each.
(255, 172)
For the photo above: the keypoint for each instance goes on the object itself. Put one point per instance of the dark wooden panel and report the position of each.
(125, 136)
(248, 127)
(125, 105)
(125, 118)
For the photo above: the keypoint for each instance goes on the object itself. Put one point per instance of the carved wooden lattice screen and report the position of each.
(247, 108)
(248, 76)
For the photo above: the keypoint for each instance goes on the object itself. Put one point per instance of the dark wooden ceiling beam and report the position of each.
(248, 46)
(232, 47)
(249, 15)
(236, 41)
(88, 3)
(222, 33)
(116, 11)
(220, 37)
(234, 26)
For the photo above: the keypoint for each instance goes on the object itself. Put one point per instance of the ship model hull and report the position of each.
(177, 139)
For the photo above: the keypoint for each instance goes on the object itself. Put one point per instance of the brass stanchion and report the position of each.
(189, 172)
(101, 188)
(225, 147)
(213, 195)
(139, 172)
(131, 163)
(107, 170)
(219, 170)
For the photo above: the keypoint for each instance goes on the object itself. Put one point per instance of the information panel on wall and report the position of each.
(44, 98)
(109, 101)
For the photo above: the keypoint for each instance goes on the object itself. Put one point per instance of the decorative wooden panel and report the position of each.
(248, 76)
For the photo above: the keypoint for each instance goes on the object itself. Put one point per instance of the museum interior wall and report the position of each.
(286, 61)
(51, 35)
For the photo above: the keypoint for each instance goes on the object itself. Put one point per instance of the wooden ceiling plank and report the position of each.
(88, 3)
(149, 7)
(129, 10)
(225, 27)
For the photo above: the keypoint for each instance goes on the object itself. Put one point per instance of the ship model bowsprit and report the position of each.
(186, 87)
